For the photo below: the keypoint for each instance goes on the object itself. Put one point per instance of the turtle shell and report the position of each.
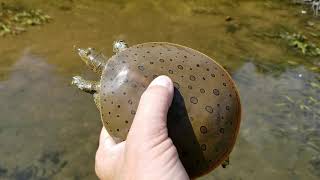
(204, 118)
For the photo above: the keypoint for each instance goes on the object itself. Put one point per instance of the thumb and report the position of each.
(151, 115)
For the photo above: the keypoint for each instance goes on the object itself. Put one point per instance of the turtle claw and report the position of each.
(119, 46)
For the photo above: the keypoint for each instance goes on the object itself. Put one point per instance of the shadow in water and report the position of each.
(184, 138)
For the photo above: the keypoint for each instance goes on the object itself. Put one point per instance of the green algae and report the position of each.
(15, 20)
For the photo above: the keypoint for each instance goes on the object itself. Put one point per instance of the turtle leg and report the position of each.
(119, 46)
(85, 85)
(93, 58)
(225, 163)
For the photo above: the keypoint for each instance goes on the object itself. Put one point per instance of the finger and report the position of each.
(106, 141)
(154, 105)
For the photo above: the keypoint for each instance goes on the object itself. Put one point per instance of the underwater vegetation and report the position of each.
(300, 43)
(15, 20)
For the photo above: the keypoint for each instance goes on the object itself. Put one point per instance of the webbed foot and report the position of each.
(225, 163)
(85, 85)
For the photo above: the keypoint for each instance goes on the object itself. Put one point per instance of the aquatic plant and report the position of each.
(301, 43)
(14, 20)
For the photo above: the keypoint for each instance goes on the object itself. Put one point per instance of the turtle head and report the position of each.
(95, 60)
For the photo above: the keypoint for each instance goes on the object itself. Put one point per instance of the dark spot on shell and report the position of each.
(118, 130)
(111, 102)
(124, 93)
(198, 65)
(154, 76)
(203, 147)
(145, 76)
(221, 130)
(185, 56)
(170, 59)
(213, 75)
(209, 109)
(194, 100)
(161, 60)
(151, 62)
(141, 68)
(224, 84)
(144, 56)
(180, 67)
(222, 74)
(177, 85)
(170, 71)
(203, 129)
(189, 86)
(216, 92)
(118, 115)
(112, 92)
(126, 122)
(104, 100)
(190, 69)
(130, 101)
(203, 78)
(208, 69)
(135, 54)
(148, 51)
(192, 78)
(133, 112)
(202, 90)
(218, 105)
(230, 95)
(109, 113)
(123, 62)
(227, 108)
(118, 106)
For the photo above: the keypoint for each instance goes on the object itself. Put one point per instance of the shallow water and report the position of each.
(49, 129)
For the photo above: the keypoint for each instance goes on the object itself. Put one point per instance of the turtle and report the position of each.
(205, 114)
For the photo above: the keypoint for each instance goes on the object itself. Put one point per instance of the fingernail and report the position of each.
(164, 81)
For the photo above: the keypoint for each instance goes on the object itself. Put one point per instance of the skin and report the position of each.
(148, 153)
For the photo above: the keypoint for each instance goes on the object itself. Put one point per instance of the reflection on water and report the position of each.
(49, 130)
(43, 123)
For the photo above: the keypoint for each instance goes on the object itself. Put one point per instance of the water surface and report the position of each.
(49, 129)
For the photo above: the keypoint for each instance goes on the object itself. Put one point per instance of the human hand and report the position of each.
(148, 153)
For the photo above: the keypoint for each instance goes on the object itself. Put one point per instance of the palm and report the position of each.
(148, 152)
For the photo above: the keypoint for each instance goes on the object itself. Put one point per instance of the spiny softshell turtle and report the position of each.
(205, 114)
